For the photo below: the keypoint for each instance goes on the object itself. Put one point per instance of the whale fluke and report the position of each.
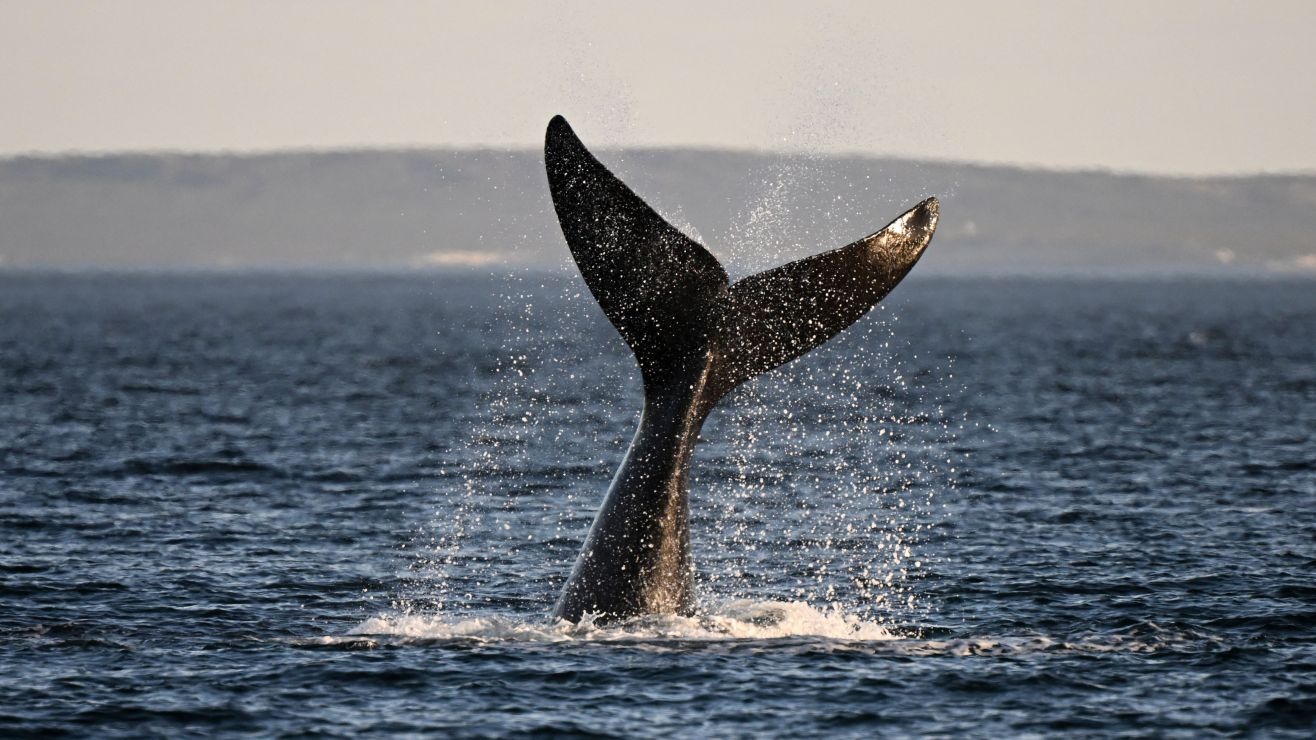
(775, 316)
(655, 284)
(695, 337)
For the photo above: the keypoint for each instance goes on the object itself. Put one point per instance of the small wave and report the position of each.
(193, 467)
(162, 388)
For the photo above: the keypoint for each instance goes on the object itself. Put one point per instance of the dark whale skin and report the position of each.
(695, 337)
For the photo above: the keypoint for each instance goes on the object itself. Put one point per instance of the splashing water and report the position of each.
(753, 622)
(833, 474)
(733, 620)
(815, 483)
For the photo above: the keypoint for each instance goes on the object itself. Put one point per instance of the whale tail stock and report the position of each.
(671, 300)
(695, 336)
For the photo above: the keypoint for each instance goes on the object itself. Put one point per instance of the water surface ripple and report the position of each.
(342, 505)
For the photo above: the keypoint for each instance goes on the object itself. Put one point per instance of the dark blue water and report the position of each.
(282, 504)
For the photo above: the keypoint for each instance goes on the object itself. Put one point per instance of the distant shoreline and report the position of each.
(396, 210)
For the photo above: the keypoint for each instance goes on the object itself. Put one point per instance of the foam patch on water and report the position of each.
(734, 620)
(793, 624)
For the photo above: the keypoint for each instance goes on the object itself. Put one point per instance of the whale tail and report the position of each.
(671, 300)
(695, 336)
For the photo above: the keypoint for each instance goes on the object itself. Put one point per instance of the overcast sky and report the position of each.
(1170, 86)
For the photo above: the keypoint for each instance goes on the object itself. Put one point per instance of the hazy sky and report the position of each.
(1178, 86)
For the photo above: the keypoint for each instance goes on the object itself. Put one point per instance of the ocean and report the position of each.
(303, 504)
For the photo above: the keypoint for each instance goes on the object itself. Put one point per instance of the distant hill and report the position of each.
(398, 209)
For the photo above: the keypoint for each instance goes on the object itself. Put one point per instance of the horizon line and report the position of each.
(311, 150)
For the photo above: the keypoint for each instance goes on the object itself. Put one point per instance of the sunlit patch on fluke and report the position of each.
(695, 336)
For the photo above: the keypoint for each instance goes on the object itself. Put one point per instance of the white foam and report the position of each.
(734, 620)
(785, 622)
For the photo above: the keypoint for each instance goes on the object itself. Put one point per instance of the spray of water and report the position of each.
(812, 493)
(814, 488)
